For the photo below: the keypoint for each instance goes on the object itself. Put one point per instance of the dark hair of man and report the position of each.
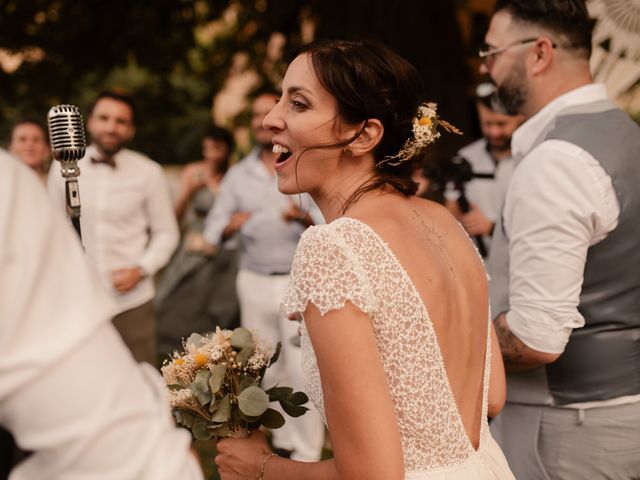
(567, 20)
(370, 81)
(222, 135)
(117, 96)
(29, 121)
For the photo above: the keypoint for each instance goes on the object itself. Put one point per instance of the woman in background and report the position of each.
(30, 144)
(197, 290)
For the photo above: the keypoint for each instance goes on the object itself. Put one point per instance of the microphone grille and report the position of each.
(66, 132)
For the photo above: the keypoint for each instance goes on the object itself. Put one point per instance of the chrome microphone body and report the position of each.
(68, 145)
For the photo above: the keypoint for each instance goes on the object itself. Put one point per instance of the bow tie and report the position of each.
(109, 161)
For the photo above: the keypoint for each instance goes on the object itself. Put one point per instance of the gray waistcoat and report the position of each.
(602, 359)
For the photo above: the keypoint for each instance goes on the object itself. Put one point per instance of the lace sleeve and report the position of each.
(327, 273)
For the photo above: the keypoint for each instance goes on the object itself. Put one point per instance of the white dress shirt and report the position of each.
(126, 218)
(69, 389)
(559, 203)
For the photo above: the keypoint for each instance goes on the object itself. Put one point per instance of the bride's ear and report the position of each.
(369, 139)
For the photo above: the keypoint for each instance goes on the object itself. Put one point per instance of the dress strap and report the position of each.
(485, 380)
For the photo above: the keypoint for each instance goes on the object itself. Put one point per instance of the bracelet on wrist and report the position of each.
(264, 464)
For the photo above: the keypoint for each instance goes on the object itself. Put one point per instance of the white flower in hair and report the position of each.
(425, 132)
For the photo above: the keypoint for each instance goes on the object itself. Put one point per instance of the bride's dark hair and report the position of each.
(369, 80)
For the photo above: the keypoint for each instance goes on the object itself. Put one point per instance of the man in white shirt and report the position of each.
(70, 392)
(128, 227)
(565, 289)
(492, 166)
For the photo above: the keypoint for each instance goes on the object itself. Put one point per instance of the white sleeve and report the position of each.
(164, 232)
(69, 389)
(327, 274)
(560, 202)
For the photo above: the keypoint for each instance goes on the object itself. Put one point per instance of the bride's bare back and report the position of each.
(445, 268)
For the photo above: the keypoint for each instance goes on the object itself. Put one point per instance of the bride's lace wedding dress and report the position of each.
(347, 261)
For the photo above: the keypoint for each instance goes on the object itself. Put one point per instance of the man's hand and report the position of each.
(475, 223)
(125, 279)
(516, 355)
(236, 222)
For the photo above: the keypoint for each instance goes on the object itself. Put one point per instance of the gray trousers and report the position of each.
(137, 327)
(550, 443)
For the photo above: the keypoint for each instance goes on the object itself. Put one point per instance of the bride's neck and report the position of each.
(338, 203)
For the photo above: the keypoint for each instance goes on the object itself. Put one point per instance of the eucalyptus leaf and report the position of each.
(242, 338)
(215, 403)
(253, 401)
(247, 381)
(184, 418)
(292, 409)
(200, 429)
(175, 387)
(272, 419)
(223, 413)
(276, 354)
(279, 393)
(200, 387)
(217, 377)
(245, 354)
(299, 398)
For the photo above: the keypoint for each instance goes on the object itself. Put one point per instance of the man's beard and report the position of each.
(108, 150)
(501, 145)
(513, 91)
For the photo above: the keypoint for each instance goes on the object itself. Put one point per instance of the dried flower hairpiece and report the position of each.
(425, 132)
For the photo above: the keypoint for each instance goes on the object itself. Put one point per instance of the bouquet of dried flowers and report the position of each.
(214, 385)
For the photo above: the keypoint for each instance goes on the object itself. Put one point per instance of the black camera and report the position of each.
(455, 172)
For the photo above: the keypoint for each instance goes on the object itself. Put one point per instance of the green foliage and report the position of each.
(253, 402)
(158, 51)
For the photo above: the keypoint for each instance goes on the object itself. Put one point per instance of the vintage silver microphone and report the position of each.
(66, 133)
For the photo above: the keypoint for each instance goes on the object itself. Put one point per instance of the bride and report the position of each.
(396, 335)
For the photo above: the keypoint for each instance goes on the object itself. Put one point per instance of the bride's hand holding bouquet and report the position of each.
(214, 390)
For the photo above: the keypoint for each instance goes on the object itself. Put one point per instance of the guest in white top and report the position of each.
(69, 390)
(565, 289)
(128, 226)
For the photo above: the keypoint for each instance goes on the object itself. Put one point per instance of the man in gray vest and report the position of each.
(565, 258)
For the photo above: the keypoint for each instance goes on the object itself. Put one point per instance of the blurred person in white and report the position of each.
(269, 225)
(128, 226)
(492, 165)
(29, 143)
(70, 392)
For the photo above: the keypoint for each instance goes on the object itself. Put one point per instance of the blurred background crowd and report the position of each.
(197, 69)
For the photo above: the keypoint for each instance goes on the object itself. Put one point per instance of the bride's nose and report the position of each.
(273, 120)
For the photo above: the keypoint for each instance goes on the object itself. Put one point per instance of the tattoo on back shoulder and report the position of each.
(435, 239)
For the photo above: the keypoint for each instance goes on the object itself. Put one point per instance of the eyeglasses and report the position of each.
(487, 55)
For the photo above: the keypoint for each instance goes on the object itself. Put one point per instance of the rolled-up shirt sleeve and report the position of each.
(560, 202)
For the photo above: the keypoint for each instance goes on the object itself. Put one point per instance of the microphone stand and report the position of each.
(70, 172)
